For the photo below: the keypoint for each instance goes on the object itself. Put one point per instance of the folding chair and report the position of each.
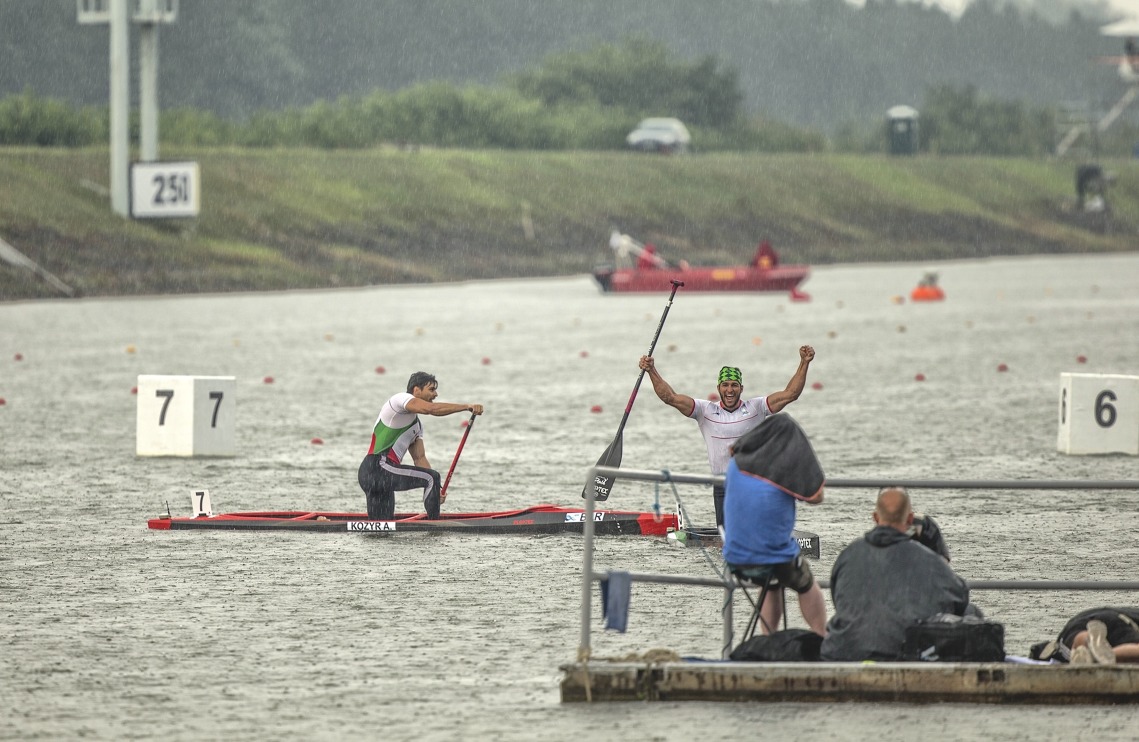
(761, 576)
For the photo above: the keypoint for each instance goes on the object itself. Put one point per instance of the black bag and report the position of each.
(948, 638)
(789, 645)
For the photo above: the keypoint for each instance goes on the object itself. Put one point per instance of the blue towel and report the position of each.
(615, 591)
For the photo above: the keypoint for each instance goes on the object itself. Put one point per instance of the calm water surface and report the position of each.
(112, 631)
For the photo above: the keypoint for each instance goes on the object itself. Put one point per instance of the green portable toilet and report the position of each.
(902, 130)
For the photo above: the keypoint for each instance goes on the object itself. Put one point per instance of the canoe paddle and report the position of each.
(602, 485)
(459, 450)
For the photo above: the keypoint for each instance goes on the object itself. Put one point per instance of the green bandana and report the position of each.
(730, 373)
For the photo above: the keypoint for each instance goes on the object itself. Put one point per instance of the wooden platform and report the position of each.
(896, 682)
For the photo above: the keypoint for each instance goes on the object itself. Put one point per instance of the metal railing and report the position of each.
(589, 576)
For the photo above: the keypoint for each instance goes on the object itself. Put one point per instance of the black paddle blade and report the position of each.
(603, 484)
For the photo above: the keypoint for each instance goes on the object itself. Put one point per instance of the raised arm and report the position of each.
(682, 402)
(776, 401)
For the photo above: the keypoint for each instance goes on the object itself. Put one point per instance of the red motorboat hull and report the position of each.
(718, 278)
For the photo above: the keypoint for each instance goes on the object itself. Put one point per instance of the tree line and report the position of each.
(796, 75)
(815, 64)
(574, 100)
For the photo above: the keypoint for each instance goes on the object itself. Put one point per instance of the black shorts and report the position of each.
(795, 574)
(1122, 625)
(381, 478)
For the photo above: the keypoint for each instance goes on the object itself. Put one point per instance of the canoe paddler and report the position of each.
(398, 431)
(724, 421)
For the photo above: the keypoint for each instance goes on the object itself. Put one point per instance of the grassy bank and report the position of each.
(307, 218)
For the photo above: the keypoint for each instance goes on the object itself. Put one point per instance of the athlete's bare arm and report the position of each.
(440, 409)
(776, 401)
(419, 454)
(682, 402)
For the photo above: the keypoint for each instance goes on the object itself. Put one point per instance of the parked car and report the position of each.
(660, 135)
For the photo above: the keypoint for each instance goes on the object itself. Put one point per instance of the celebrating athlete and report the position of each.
(725, 421)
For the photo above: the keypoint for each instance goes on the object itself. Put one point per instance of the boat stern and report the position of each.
(604, 277)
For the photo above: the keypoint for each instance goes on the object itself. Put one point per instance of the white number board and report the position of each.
(1099, 413)
(186, 416)
(164, 189)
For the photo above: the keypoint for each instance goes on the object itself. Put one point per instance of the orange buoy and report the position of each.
(584, 354)
(3, 401)
(1001, 368)
(927, 293)
(134, 390)
(380, 370)
(18, 357)
(317, 442)
(919, 377)
(595, 408)
(268, 379)
(817, 385)
(464, 423)
(485, 361)
(927, 289)
(1081, 359)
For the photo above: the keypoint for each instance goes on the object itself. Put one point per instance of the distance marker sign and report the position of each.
(164, 189)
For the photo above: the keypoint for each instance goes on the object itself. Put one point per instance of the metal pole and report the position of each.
(148, 91)
(1053, 585)
(1002, 484)
(656, 475)
(1076, 585)
(120, 106)
(729, 623)
(583, 650)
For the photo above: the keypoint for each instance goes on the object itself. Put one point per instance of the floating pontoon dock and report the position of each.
(651, 679)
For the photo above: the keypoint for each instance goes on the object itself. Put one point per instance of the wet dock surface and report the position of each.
(892, 682)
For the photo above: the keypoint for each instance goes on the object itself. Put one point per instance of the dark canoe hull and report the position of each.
(537, 519)
(720, 278)
(809, 543)
(532, 520)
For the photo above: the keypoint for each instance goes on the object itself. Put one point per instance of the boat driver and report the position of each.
(396, 432)
(723, 422)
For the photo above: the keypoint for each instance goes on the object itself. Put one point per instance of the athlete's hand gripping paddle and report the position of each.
(459, 450)
(603, 484)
